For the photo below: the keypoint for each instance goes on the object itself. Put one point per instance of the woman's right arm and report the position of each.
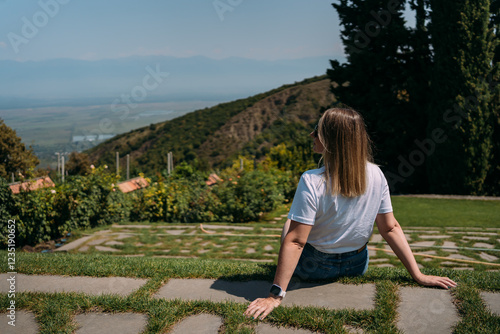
(290, 251)
(392, 232)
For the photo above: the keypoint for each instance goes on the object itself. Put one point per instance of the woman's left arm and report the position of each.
(290, 251)
(392, 232)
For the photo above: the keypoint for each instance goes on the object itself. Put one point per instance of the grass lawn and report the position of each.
(410, 211)
(54, 311)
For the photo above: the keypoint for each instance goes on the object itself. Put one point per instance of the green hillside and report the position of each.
(209, 138)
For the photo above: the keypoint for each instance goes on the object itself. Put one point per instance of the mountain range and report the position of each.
(64, 81)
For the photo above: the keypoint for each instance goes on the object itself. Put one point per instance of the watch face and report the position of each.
(275, 290)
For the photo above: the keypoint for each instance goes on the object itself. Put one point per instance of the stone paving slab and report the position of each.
(121, 236)
(106, 249)
(426, 311)
(461, 257)
(487, 257)
(175, 232)
(111, 323)
(492, 301)
(228, 227)
(476, 232)
(103, 232)
(199, 324)
(411, 230)
(25, 323)
(483, 245)
(263, 328)
(477, 238)
(332, 295)
(114, 243)
(376, 238)
(435, 236)
(423, 243)
(89, 285)
(96, 242)
(74, 244)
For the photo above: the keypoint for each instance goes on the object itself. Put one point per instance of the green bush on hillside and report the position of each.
(90, 201)
(8, 209)
(247, 196)
(174, 200)
(81, 202)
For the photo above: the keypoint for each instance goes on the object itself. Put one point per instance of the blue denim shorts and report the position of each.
(316, 265)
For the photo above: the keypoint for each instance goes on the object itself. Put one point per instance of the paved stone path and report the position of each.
(452, 243)
(421, 310)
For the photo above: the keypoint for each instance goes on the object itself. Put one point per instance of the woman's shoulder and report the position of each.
(375, 173)
(314, 175)
(313, 172)
(374, 168)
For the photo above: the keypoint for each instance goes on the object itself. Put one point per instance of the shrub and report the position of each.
(8, 209)
(247, 196)
(37, 220)
(90, 201)
(174, 200)
(49, 213)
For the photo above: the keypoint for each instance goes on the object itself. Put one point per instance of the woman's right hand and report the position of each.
(262, 307)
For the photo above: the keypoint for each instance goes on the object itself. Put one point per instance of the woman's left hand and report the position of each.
(262, 307)
(443, 282)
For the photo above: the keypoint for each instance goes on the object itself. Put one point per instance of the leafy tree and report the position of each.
(461, 101)
(78, 164)
(14, 156)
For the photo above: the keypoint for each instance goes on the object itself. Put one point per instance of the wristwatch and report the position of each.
(277, 291)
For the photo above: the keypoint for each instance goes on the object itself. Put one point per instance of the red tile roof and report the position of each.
(33, 184)
(133, 184)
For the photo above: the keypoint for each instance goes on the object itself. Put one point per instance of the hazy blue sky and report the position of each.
(98, 29)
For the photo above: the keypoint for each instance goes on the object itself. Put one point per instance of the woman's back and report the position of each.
(341, 224)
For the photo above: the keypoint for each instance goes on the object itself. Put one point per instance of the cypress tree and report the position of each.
(461, 101)
(378, 80)
(493, 179)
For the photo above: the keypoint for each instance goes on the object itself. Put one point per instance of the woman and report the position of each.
(332, 214)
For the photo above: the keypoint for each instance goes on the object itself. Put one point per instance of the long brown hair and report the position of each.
(347, 149)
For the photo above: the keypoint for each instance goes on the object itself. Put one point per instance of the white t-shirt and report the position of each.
(340, 224)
